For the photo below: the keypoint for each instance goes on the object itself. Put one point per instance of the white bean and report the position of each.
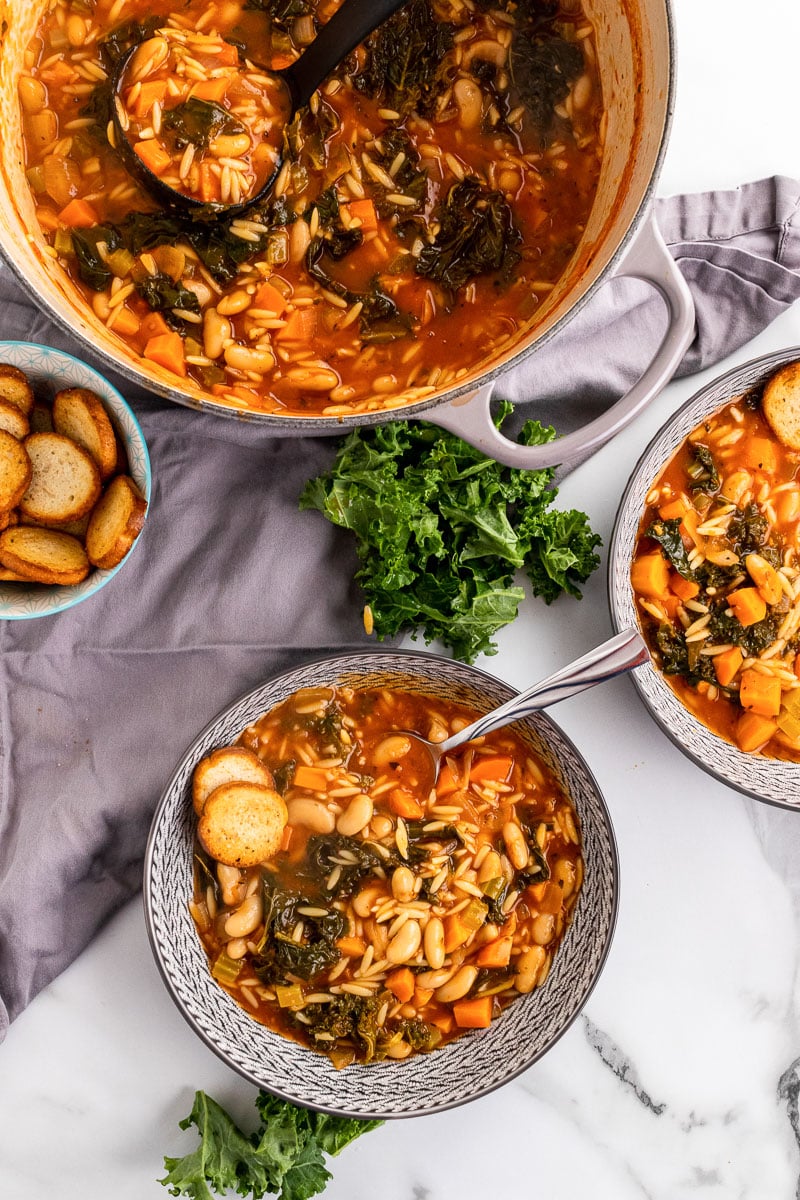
(230, 882)
(469, 101)
(516, 845)
(299, 240)
(216, 331)
(403, 884)
(236, 302)
(246, 918)
(363, 902)
(356, 816)
(312, 814)
(529, 965)
(434, 943)
(390, 750)
(458, 986)
(405, 943)
(246, 358)
(542, 928)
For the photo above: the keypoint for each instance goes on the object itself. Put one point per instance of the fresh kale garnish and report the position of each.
(404, 60)
(284, 1157)
(668, 536)
(441, 531)
(476, 237)
(198, 122)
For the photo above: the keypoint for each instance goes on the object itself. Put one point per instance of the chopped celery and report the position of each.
(277, 249)
(290, 996)
(226, 969)
(120, 262)
(493, 887)
(35, 177)
(789, 716)
(62, 242)
(474, 914)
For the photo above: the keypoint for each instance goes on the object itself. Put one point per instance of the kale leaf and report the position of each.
(703, 471)
(748, 529)
(476, 237)
(441, 530)
(281, 954)
(324, 854)
(542, 72)
(163, 294)
(404, 65)
(284, 1156)
(668, 536)
(198, 122)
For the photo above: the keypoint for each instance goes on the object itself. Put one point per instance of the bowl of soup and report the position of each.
(704, 557)
(350, 936)
(429, 226)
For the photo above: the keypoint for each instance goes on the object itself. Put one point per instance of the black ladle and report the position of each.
(347, 28)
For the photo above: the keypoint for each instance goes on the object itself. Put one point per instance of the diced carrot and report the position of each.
(448, 781)
(228, 56)
(650, 575)
(444, 1021)
(210, 89)
(153, 155)
(754, 731)
(150, 91)
(727, 664)
(747, 605)
(684, 589)
(153, 325)
(473, 1014)
(168, 351)
(286, 838)
(497, 767)
(270, 299)
(279, 61)
(78, 214)
(59, 73)
(301, 325)
(797, 665)
(760, 693)
(422, 995)
(759, 454)
(495, 954)
(670, 605)
(551, 898)
(47, 219)
(401, 984)
(455, 933)
(673, 510)
(125, 323)
(314, 779)
(351, 947)
(403, 804)
(364, 211)
(208, 187)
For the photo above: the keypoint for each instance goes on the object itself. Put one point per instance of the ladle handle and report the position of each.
(619, 654)
(346, 29)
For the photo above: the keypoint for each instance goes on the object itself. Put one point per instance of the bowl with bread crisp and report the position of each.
(74, 480)
(705, 558)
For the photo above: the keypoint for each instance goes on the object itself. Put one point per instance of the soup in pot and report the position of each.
(428, 198)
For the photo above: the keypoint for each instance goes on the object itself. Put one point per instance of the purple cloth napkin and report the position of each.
(230, 582)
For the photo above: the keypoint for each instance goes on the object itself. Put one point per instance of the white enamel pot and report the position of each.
(635, 40)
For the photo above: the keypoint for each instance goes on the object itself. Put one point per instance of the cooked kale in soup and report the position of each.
(429, 197)
(390, 916)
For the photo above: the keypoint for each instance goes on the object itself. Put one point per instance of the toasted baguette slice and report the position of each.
(14, 388)
(65, 484)
(79, 414)
(7, 576)
(242, 824)
(115, 523)
(231, 764)
(16, 471)
(13, 420)
(43, 555)
(780, 403)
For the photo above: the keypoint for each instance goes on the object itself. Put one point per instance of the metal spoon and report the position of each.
(620, 653)
(346, 29)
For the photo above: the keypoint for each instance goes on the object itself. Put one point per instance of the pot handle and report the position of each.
(648, 259)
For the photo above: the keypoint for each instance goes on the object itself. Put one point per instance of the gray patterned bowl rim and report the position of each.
(347, 661)
(766, 780)
(18, 603)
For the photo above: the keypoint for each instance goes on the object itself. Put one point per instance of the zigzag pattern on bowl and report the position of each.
(765, 779)
(475, 1063)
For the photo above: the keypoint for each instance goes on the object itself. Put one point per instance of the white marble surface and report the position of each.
(681, 1076)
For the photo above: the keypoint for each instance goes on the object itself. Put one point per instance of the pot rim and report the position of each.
(295, 425)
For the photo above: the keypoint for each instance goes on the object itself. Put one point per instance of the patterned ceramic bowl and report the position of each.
(466, 1068)
(764, 779)
(50, 370)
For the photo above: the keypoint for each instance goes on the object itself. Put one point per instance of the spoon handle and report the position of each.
(619, 654)
(346, 29)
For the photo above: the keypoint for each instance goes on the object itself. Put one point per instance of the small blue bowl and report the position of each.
(53, 370)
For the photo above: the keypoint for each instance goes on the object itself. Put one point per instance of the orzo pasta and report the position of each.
(429, 197)
(716, 574)
(395, 916)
